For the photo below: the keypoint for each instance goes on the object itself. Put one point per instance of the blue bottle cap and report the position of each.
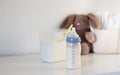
(73, 39)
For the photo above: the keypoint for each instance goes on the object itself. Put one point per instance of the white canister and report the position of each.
(51, 48)
(107, 41)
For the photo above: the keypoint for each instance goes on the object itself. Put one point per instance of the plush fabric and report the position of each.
(82, 24)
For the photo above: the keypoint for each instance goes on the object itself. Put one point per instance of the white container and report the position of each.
(51, 48)
(107, 41)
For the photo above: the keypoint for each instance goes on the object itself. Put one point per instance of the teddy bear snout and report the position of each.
(78, 24)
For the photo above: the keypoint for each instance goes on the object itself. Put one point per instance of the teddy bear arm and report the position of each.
(90, 37)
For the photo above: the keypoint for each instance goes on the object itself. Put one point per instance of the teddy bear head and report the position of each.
(82, 22)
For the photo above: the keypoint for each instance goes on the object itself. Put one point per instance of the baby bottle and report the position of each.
(73, 48)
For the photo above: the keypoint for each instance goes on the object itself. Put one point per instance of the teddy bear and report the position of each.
(83, 24)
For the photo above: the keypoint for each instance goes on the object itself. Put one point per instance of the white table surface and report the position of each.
(32, 65)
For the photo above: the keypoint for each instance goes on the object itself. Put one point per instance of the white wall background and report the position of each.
(22, 21)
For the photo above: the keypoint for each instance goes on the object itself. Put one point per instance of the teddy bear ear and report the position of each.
(63, 24)
(67, 21)
(95, 21)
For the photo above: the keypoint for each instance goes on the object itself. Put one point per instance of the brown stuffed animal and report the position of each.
(82, 24)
